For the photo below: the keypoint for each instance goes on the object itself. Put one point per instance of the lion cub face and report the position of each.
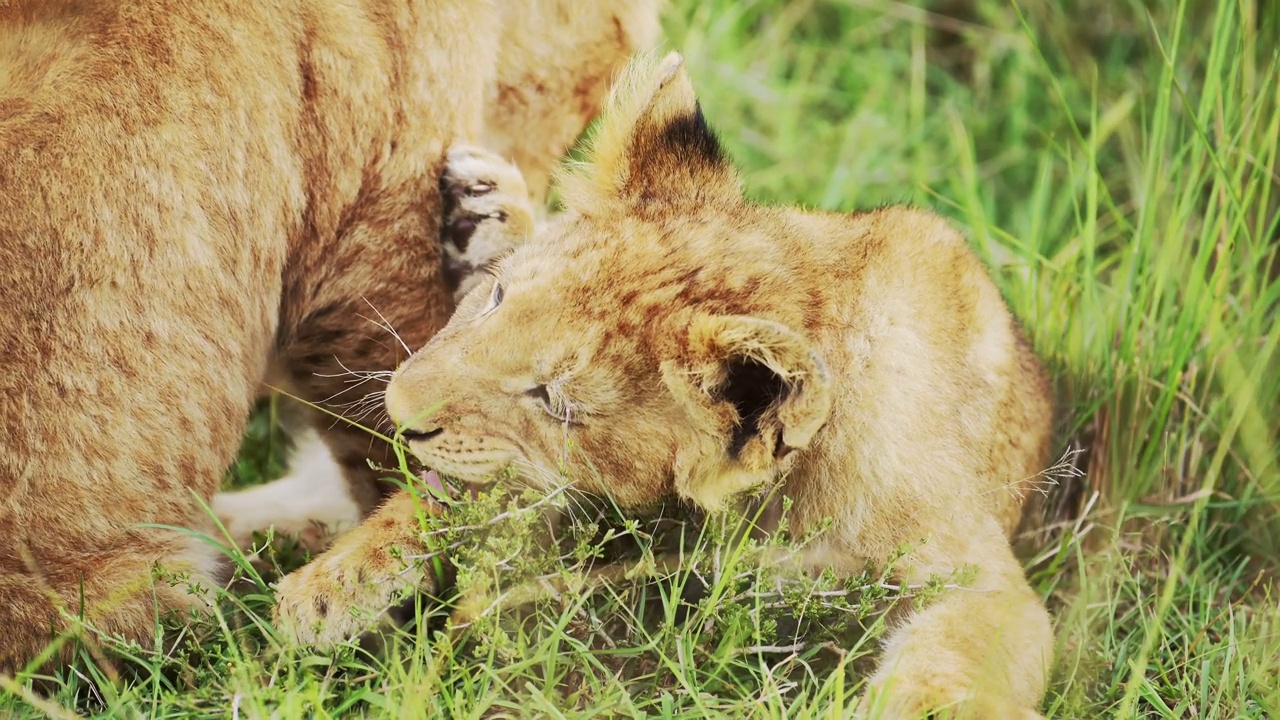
(618, 349)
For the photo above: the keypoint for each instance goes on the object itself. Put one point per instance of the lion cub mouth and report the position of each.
(432, 479)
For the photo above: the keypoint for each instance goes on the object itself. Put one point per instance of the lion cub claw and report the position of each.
(487, 213)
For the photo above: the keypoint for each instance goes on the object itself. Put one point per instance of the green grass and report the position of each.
(1116, 163)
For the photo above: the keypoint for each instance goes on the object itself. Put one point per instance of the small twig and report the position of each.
(496, 519)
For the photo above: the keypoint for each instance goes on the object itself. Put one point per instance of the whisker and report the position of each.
(360, 404)
(366, 374)
(361, 409)
(346, 390)
(386, 325)
(579, 501)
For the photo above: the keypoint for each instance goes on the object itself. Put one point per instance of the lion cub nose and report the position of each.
(415, 423)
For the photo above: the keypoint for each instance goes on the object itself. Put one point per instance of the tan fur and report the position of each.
(681, 340)
(191, 191)
(523, 125)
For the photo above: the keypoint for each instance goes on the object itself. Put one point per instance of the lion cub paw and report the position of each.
(487, 213)
(350, 589)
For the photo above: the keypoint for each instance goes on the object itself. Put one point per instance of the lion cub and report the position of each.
(689, 342)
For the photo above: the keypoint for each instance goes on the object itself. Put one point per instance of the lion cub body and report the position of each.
(191, 191)
(669, 337)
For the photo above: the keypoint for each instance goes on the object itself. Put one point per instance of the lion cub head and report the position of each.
(633, 347)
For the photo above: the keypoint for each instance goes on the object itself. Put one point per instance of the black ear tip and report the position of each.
(691, 134)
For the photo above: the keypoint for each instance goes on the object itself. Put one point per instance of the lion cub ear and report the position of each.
(653, 144)
(769, 393)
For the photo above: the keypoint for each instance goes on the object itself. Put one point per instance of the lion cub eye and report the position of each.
(543, 397)
(495, 299)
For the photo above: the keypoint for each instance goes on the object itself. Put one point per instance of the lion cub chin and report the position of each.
(689, 342)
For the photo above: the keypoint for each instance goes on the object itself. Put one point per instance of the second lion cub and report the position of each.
(688, 342)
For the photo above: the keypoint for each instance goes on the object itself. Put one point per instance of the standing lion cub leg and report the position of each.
(980, 650)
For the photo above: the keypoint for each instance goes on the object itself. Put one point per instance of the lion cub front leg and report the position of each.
(487, 214)
(980, 650)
